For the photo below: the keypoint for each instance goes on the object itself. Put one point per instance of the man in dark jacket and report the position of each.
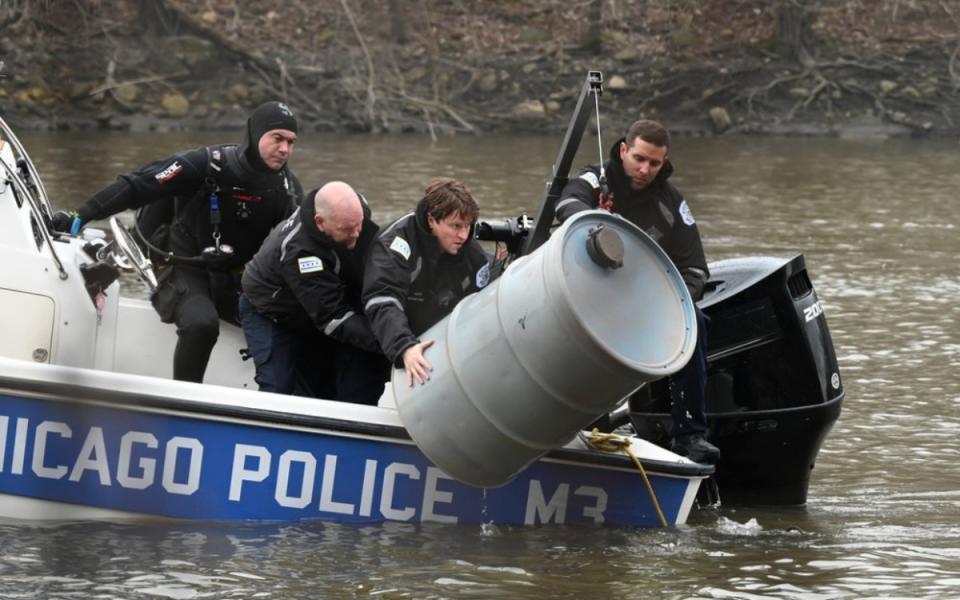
(218, 204)
(300, 308)
(418, 268)
(637, 175)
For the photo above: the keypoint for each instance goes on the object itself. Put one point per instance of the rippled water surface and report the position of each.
(878, 223)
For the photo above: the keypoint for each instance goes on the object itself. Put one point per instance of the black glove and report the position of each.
(68, 222)
(63, 220)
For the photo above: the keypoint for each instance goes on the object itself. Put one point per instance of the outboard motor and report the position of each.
(773, 387)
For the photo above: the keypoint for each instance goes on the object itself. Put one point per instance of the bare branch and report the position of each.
(953, 61)
(110, 84)
(440, 106)
(371, 96)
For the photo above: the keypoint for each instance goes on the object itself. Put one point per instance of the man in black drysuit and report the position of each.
(219, 198)
(637, 174)
(300, 307)
(418, 268)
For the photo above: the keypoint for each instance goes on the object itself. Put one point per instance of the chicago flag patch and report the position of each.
(401, 247)
(310, 264)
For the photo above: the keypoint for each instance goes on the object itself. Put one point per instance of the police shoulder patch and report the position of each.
(169, 173)
(483, 276)
(401, 247)
(685, 213)
(309, 264)
(591, 178)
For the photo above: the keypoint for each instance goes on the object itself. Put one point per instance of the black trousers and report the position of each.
(307, 363)
(196, 300)
(688, 402)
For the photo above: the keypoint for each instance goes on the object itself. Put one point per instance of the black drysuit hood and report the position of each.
(267, 116)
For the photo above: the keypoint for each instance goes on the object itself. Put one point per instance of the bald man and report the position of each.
(300, 307)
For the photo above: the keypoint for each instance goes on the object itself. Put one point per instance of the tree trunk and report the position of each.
(155, 18)
(398, 22)
(593, 40)
(794, 35)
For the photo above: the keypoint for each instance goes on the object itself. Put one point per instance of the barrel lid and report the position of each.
(624, 291)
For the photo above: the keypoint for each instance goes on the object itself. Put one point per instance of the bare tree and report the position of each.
(398, 22)
(155, 17)
(794, 35)
(593, 39)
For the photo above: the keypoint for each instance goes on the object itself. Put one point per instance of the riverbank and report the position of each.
(161, 65)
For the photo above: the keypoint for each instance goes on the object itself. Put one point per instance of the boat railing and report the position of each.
(32, 189)
(21, 154)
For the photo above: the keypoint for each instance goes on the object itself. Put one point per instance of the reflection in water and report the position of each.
(878, 224)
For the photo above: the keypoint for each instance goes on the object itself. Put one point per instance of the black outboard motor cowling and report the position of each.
(773, 385)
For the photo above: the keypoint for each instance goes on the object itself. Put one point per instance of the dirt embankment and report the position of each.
(441, 67)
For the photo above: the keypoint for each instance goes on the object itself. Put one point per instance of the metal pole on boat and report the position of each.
(21, 152)
(20, 187)
(604, 188)
(561, 169)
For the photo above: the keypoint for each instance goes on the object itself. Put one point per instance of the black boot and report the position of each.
(696, 448)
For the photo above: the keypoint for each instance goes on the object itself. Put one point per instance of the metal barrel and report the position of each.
(561, 338)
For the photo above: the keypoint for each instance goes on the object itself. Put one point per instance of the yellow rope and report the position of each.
(612, 442)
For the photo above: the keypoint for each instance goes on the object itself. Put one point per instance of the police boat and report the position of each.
(92, 426)
(773, 384)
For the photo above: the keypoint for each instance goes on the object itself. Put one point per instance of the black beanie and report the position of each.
(267, 116)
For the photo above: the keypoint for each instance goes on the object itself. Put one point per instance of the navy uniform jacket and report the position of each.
(301, 278)
(658, 209)
(410, 283)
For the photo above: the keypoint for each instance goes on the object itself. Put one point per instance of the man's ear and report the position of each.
(318, 221)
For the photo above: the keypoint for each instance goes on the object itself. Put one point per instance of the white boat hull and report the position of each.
(100, 444)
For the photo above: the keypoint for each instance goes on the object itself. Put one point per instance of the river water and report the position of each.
(878, 223)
